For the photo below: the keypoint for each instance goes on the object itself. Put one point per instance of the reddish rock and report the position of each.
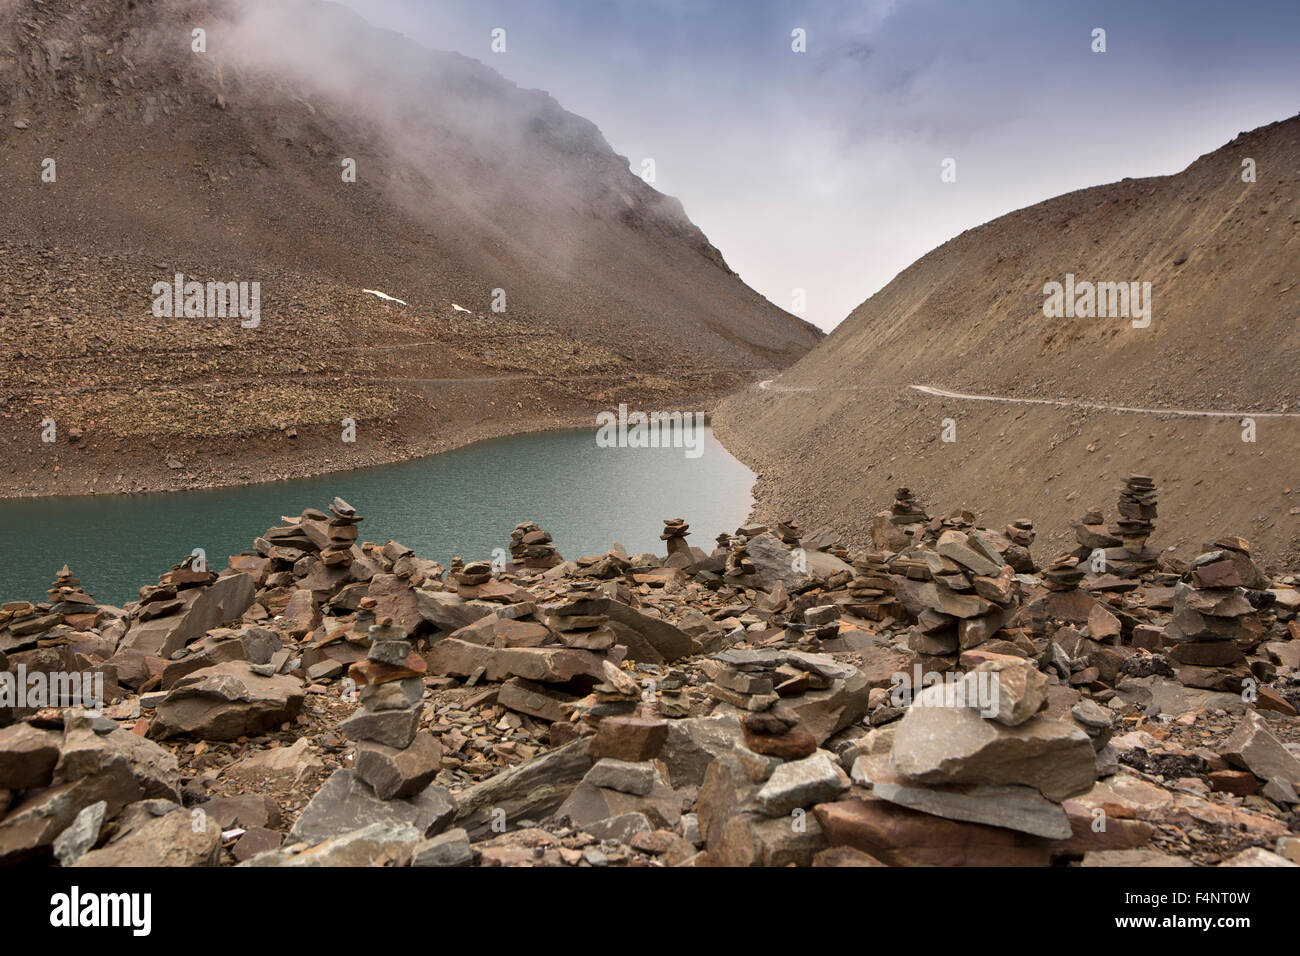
(901, 837)
(1239, 782)
(629, 738)
(1269, 699)
(790, 746)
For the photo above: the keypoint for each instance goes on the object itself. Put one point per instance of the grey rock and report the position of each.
(360, 847)
(446, 849)
(1254, 747)
(392, 728)
(79, 838)
(345, 804)
(623, 776)
(227, 701)
(801, 783)
(533, 789)
(944, 745)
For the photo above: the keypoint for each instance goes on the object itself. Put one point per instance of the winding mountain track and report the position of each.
(769, 385)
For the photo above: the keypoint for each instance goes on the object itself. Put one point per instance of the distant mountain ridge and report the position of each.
(227, 165)
(1223, 333)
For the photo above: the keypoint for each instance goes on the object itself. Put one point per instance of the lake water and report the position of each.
(462, 502)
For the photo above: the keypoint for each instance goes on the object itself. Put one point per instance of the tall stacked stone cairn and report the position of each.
(531, 547)
(904, 523)
(393, 756)
(1021, 535)
(1137, 509)
(905, 510)
(1214, 624)
(970, 595)
(723, 542)
(873, 587)
(1123, 544)
(75, 607)
(740, 571)
(674, 536)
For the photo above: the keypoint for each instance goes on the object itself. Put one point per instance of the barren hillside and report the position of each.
(227, 165)
(836, 433)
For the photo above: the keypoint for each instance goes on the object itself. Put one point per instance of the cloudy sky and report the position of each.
(821, 170)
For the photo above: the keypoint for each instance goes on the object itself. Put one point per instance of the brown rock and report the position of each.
(629, 738)
(898, 836)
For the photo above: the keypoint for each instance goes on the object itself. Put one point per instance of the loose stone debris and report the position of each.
(941, 698)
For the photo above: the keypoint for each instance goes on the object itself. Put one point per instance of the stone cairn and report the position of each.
(790, 532)
(1063, 574)
(901, 526)
(472, 574)
(167, 597)
(740, 570)
(580, 618)
(872, 588)
(723, 542)
(23, 624)
(75, 607)
(674, 536)
(340, 534)
(971, 595)
(1137, 508)
(905, 510)
(1214, 625)
(531, 547)
(769, 727)
(393, 756)
(673, 699)
(1021, 535)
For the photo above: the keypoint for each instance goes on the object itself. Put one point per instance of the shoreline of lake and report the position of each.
(461, 502)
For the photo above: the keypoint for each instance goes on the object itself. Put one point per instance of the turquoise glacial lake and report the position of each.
(464, 502)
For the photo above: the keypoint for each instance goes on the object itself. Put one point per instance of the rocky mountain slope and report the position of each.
(839, 430)
(947, 698)
(127, 157)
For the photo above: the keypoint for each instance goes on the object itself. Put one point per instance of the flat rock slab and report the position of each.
(774, 564)
(345, 804)
(227, 701)
(532, 790)
(1015, 808)
(364, 846)
(941, 744)
(900, 836)
(547, 665)
(669, 642)
(1140, 858)
(446, 849)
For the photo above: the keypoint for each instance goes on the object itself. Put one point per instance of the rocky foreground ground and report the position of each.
(326, 701)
